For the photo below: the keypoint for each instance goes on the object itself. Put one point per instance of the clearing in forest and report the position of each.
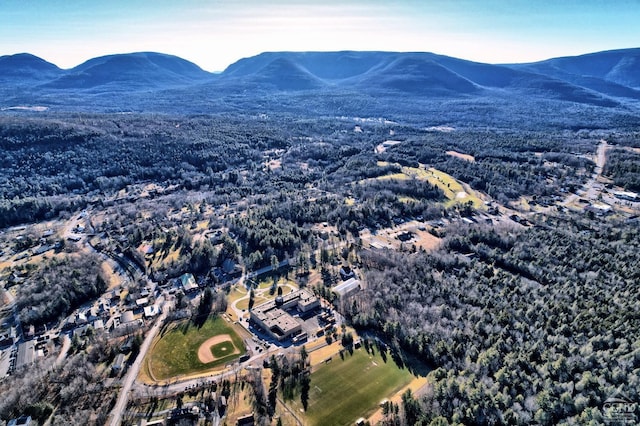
(455, 191)
(461, 156)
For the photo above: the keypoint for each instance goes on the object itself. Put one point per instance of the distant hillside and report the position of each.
(417, 75)
(421, 74)
(327, 82)
(324, 65)
(620, 67)
(131, 71)
(24, 68)
(280, 73)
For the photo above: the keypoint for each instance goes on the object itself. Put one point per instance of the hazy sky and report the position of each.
(215, 33)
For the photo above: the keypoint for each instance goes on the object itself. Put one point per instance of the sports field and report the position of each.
(344, 390)
(175, 353)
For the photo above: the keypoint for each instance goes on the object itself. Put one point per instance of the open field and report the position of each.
(113, 278)
(244, 303)
(461, 156)
(389, 237)
(425, 240)
(319, 351)
(455, 191)
(175, 353)
(344, 390)
(161, 259)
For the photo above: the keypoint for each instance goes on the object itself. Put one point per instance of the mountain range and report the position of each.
(603, 79)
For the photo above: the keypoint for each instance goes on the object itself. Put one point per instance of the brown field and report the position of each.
(319, 356)
(274, 164)
(388, 237)
(426, 240)
(111, 275)
(461, 156)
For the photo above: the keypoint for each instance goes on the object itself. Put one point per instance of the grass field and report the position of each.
(344, 390)
(452, 189)
(244, 304)
(175, 353)
(222, 349)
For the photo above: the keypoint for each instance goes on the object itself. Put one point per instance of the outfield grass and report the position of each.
(344, 390)
(175, 353)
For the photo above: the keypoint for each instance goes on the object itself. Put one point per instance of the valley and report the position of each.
(268, 242)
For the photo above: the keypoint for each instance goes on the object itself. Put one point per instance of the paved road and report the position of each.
(184, 385)
(127, 383)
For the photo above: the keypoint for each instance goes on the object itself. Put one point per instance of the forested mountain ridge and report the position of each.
(145, 80)
(143, 70)
(616, 66)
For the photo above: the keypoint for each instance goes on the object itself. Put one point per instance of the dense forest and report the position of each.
(58, 286)
(623, 167)
(537, 324)
(70, 162)
(72, 393)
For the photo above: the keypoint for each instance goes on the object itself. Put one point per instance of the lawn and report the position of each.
(175, 353)
(344, 390)
(236, 293)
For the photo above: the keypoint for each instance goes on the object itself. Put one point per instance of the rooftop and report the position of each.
(273, 315)
(277, 319)
(188, 282)
(347, 287)
(26, 354)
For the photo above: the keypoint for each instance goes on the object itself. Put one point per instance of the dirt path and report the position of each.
(204, 351)
(588, 188)
(66, 344)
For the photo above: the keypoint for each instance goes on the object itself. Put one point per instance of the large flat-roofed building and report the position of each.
(273, 318)
(26, 354)
(347, 288)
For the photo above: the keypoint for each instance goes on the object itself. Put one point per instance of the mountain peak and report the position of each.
(23, 67)
(140, 70)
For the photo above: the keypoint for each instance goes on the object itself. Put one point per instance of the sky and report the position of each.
(215, 33)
